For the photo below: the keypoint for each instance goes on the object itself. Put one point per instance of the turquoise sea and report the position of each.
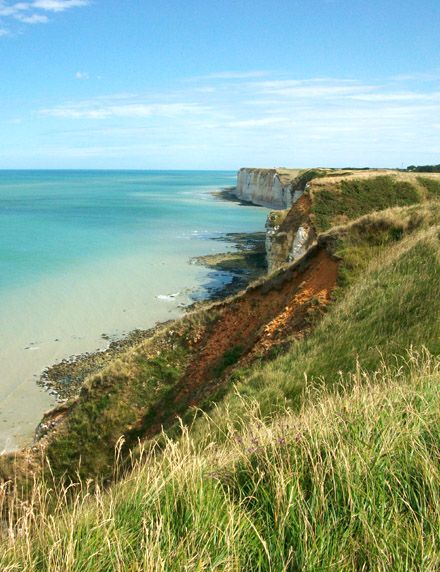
(87, 253)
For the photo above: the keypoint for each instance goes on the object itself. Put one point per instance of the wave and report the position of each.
(168, 297)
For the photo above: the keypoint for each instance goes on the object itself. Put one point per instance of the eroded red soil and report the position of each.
(263, 316)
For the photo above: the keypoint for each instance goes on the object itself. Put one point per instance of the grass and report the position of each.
(357, 197)
(370, 236)
(306, 176)
(229, 358)
(432, 185)
(123, 393)
(351, 482)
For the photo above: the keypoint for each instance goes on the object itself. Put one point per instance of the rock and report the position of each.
(300, 243)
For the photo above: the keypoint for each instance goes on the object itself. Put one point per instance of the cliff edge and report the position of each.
(309, 202)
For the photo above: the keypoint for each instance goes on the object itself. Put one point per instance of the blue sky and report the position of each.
(219, 84)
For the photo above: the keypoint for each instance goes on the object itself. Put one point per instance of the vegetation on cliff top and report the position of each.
(356, 197)
(424, 168)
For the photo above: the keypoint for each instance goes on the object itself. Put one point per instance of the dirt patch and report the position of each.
(255, 321)
(299, 314)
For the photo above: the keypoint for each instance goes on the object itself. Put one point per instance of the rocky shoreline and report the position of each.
(229, 194)
(230, 272)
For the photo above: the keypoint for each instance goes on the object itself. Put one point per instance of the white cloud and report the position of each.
(58, 5)
(311, 88)
(32, 18)
(420, 76)
(12, 10)
(35, 11)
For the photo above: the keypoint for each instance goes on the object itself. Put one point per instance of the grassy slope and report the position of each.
(121, 400)
(357, 197)
(387, 302)
(350, 483)
(340, 197)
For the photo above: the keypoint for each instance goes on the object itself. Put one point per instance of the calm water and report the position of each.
(86, 253)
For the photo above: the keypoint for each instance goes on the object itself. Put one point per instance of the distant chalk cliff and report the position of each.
(288, 236)
(272, 188)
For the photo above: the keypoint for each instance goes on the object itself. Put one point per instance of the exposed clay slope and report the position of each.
(259, 319)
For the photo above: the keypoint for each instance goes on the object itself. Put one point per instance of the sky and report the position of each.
(219, 84)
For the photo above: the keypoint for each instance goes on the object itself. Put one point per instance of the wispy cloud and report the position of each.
(58, 5)
(34, 11)
(252, 120)
(402, 96)
(311, 88)
(232, 75)
(418, 76)
(100, 108)
(32, 18)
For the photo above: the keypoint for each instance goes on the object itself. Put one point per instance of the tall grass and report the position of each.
(352, 482)
(432, 186)
(356, 197)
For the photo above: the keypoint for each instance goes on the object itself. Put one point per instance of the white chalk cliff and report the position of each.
(286, 238)
(272, 188)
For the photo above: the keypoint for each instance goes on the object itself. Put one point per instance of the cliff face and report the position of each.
(272, 188)
(288, 232)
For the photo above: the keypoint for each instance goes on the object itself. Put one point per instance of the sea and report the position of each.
(88, 256)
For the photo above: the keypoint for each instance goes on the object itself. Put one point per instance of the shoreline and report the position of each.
(227, 194)
(231, 271)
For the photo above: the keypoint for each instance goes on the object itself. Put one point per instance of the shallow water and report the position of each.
(87, 253)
